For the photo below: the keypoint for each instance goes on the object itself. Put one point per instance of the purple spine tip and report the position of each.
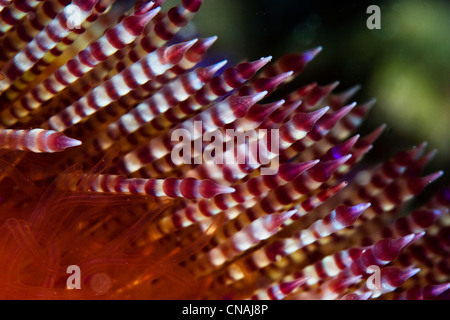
(63, 142)
(276, 220)
(310, 54)
(306, 121)
(289, 171)
(339, 151)
(209, 189)
(330, 120)
(241, 105)
(416, 185)
(174, 53)
(208, 42)
(259, 112)
(323, 170)
(272, 83)
(395, 277)
(135, 24)
(347, 215)
(389, 249)
(289, 286)
(248, 69)
(206, 73)
(434, 291)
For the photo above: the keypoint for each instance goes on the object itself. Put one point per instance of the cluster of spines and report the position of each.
(130, 88)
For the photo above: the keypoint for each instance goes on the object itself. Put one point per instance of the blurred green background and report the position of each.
(405, 65)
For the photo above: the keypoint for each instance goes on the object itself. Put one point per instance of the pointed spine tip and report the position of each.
(289, 286)
(259, 112)
(347, 215)
(209, 189)
(176, 52)
(289, 171)
(276, 220)
(206, 73)
(63, 142)
(258, 96)
(416, 185)
(389, 249)
(135, 24)
(436, 290)
(311, 54)
(323, 171)
(208, 42)
(306, 121)
(395, 277)
(240, 105)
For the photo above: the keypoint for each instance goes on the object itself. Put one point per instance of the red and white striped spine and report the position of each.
(114, 39)
(338, 133)
(231, 171)
(295, 62)
(283, 113)
(165, 28)
(300, 93)
(168, 96)
(428, 292)
(21, 83)
(26, 29)
(384, 174)
(331, 289)
(13, 11)
(210, 119)
(228, 82)
(417, 221)
(391, 278)
(361, 147)
(380, 254)
(396, 193)
(35, 140)
(232, 78)
(174, 188)
(322, 127)
(341, 217)
(350, 122)
(193, 56)
(305, 183)
(255, 187)
(47, 39)
(252, 234)
(239, 216)
(279, 290)
(153, 64)
(252, 119)
(244, 192)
